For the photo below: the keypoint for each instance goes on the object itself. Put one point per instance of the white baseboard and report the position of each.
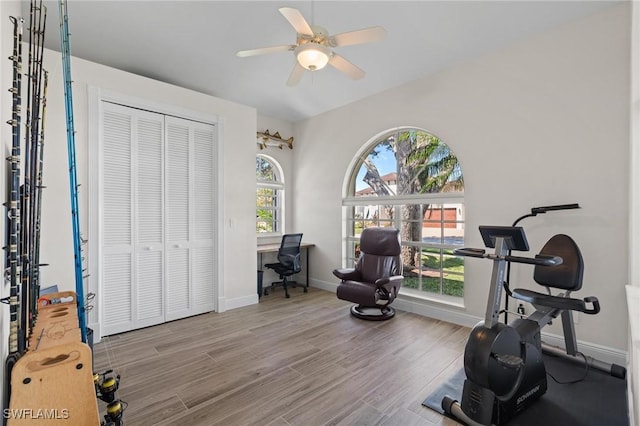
(323, 285)
(441, 313)
(458, 316)
(225, 304)
(599, 352)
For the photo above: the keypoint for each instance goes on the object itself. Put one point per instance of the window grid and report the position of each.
(435, 263)
(269, 196)
(267, 217)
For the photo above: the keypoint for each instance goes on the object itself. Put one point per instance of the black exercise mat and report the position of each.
(598, 400)
(451, 388)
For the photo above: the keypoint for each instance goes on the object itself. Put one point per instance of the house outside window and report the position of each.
(269, 196)
(409, 179)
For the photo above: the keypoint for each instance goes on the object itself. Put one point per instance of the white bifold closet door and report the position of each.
(157, 218)
(190, 217)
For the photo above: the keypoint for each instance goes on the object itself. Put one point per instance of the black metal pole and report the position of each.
(13, 257)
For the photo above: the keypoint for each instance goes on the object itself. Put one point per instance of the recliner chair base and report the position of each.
(373, 313)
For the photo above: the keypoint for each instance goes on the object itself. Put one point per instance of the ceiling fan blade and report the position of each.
(341, 64)
(296, 74)
(365, 35)
(296, 20)
(264, 50)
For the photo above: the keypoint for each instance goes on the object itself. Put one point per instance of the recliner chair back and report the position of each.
(379, 254)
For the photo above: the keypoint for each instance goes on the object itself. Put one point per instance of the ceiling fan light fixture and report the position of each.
(313, 56)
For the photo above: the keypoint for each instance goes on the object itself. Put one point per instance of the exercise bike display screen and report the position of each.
(513, 236)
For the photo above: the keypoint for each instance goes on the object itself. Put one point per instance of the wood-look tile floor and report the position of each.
(298, 361)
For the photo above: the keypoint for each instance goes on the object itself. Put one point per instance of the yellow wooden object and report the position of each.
(67, 310)
(54, 333)
(54, 386)
(55, 324)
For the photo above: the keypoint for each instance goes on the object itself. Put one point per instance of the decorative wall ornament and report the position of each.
(266, 139)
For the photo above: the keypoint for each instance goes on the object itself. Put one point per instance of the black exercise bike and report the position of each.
(503, 363)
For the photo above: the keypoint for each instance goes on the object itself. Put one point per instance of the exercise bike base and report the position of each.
(452, 408)
(614, 370)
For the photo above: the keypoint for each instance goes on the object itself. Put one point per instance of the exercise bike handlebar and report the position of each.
(544, 209)
(540, 259)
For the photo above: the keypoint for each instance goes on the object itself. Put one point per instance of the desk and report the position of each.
(273, 248)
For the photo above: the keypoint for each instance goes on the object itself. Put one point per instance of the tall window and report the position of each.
(411, 180)
(269, 196)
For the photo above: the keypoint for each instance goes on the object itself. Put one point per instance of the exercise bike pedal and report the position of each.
(509, 361)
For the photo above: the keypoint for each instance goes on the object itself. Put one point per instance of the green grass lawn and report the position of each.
(452, 268)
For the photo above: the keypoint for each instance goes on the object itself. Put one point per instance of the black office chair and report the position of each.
(288, 262)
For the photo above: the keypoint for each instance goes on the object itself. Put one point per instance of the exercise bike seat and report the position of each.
(566, 276)
(558, 302)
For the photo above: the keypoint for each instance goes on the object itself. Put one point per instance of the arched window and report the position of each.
(411, 180)
(269, 196)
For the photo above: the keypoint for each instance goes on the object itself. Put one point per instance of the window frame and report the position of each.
(351, 201)
(278, 185)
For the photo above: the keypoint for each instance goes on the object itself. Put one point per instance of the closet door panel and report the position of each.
(203, 280)
(178, 229)
(149, 298)
(190, 221)
(149, 224)
(117, 180)
(131, 281)
(178, 288)
(177, 183)
(116, 296)
(149, 177)
(204, 140)
(204, 272)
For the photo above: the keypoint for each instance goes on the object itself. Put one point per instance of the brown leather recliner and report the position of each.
(375, 281)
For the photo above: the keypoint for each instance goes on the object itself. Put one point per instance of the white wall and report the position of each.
(633, 304)
(634, 147)
(541, 122)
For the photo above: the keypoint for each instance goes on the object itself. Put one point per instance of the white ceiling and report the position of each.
(193, 43)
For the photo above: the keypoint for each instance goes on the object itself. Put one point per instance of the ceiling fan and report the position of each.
(313, 47)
